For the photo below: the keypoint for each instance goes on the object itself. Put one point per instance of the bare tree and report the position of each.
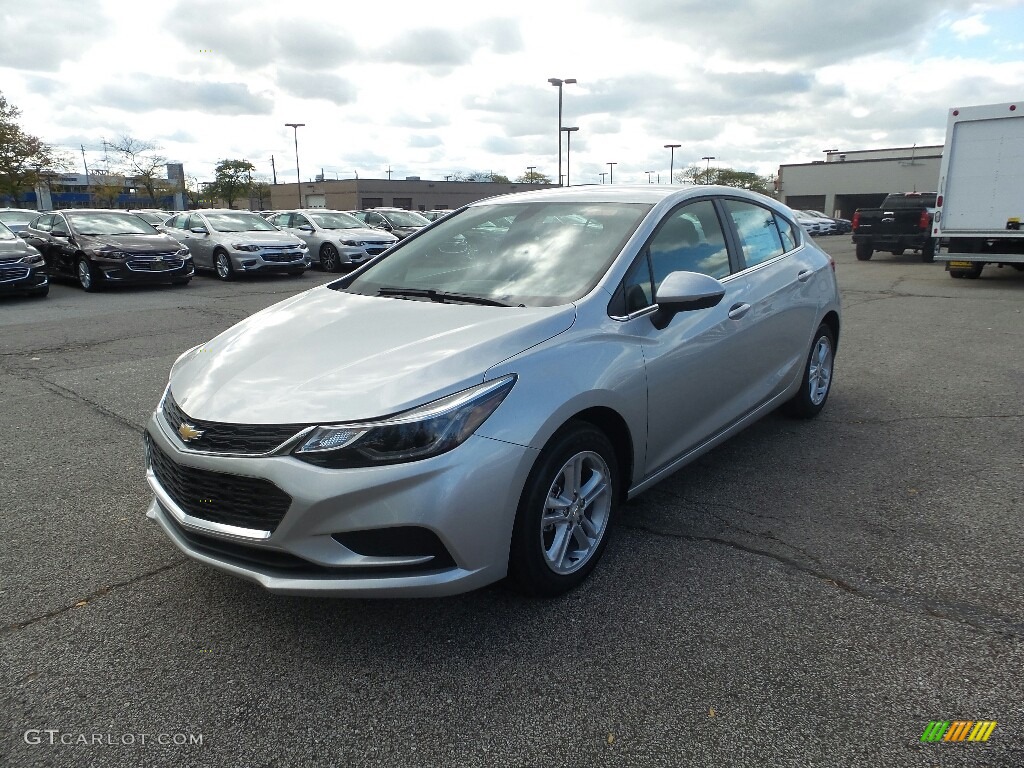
(142, 161)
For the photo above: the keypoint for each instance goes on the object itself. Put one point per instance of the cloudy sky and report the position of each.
(432, 88)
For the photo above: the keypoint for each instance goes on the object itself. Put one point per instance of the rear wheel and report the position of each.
(222, 262)
(817, 378)
(928, 252)
(330, 260)
(562, 523)
(87, 277)
(971, 274)
(864, 251)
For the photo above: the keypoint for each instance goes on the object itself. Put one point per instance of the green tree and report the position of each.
(24, 158)
(232, 180)
(260, 193)
(726, 177)
(533, 177)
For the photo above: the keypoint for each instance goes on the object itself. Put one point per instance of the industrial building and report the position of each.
(848, 180)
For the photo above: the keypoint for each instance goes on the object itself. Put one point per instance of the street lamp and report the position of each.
(649, 174)
(298, 177)
(611, 172)
(672, 160)
(707, 174)
(568, 149)
(558, 83)
(602, 174)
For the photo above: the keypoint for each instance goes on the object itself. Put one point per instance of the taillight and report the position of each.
(832, 262)
(856, 220)
(938, 201)
(925, 222)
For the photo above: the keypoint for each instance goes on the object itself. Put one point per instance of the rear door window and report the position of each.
(756, 228)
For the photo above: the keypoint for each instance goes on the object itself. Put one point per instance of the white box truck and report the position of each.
(980, 203)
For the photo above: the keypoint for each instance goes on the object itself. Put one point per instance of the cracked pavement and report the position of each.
(808, 594)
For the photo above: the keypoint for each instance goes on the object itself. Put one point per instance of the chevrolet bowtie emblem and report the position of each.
(188, 433)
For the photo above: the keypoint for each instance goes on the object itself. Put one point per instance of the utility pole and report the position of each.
(86, 167)
(273, 169)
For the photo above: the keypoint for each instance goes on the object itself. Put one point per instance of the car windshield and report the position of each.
(405, 219)
(337, 220)
(239, 222)
(5, 233)
(17, 217)
(534, 254)
(112, 223)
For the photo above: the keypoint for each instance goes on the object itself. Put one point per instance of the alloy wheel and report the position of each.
(576, 512)
(820, 373)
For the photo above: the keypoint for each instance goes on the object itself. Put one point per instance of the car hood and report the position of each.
(361, 233)
(135, 243)
(258, 238)
(15, 249)
(325, 357)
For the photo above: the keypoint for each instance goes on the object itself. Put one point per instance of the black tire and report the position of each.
(928, 252)
(804, 404)
(899, 251)
(330, 259)
(222, 266)
(529, 567)
(87, 277)
(864, 251)
(971, 274)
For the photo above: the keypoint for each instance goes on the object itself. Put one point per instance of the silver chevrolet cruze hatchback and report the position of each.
(444, 417)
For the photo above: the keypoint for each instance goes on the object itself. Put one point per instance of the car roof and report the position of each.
(626, 193)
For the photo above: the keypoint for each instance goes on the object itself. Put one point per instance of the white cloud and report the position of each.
(972, 26)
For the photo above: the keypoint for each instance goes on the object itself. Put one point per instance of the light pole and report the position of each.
(672, 161)
(707, 173)
(568, 150)
(602, 174)
(558, 83)
(298, 176)
(611, 172)
(649, 174)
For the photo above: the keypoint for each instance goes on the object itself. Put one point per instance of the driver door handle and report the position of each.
(736, 311)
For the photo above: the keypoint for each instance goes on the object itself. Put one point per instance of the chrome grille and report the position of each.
(217, 437)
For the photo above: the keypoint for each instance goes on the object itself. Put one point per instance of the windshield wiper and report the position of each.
(442, 297)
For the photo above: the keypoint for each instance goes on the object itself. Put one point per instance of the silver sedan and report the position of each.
(439, 419)
(335, 239)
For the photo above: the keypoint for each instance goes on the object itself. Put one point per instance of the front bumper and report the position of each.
(291, 260)
(466, 498)
(22, 278)
(144, 271)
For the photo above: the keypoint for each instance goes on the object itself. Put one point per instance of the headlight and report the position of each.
(420, 433)
(350, 243)
(110, 254)
(244, 247)
(32, 258)
(182, 254)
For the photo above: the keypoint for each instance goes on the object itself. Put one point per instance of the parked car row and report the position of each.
(817, 223)
(98, 247)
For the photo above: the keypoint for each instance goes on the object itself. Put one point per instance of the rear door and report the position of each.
(781, 297)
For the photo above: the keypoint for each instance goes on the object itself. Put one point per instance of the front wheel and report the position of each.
(330, 259)
(561, 526)
(223, 264)
(864, 251)
(87, 277)
(817, 379)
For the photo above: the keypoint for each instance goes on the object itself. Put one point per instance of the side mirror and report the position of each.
(685, 292)
(306, 228)
(199, 231)
(55, 233)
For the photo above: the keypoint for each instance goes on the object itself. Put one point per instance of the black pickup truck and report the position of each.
(904, 222)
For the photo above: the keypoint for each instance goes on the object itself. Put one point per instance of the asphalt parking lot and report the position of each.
(808, 594)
